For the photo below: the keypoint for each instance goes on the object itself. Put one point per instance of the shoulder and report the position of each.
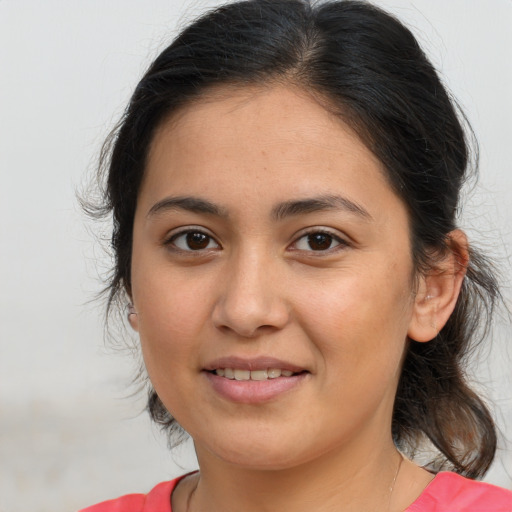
(159, 498)
(451, 492)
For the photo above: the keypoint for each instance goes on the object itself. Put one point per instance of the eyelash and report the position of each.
(172, 239)
(341, 243)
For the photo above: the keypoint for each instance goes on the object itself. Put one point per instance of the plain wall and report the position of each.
(70, 434)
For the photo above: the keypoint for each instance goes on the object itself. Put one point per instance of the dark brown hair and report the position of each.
(370, 71)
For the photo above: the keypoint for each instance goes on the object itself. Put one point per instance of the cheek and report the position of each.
(168, 330)
(172, 311)
(359, 316)
(168, 299)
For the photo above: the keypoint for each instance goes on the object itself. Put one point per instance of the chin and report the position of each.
(260, 454)
(260, 462)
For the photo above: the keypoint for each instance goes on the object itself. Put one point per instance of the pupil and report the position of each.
(197, 241)
(319, 241)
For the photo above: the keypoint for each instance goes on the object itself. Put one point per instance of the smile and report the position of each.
(254, 381)
(241, 374)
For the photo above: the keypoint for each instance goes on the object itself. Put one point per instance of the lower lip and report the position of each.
(253, 391)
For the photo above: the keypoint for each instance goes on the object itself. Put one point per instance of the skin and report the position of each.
(259, 288)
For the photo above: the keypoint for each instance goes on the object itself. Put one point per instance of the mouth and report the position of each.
(253, 381)
(259, 375)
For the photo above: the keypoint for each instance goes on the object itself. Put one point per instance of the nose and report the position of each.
(251, 301)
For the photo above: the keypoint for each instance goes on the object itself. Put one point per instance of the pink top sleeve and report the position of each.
(449, 492)
(158, 500)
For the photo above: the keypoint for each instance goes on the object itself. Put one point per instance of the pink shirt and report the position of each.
(448, 492)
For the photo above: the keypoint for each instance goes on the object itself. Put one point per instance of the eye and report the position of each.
(318, 241)
(193, 240)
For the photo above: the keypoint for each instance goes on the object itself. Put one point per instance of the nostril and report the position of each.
(243, 330)
(247, 311)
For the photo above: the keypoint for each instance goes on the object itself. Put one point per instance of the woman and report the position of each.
(284, 186)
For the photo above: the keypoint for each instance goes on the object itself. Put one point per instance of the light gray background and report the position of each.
(70, 434)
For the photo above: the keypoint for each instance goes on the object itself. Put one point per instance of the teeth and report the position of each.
(259, 375)
(237, 374)
(242, 374)
(273, 373)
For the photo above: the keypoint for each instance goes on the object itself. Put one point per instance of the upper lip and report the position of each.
(252, 364)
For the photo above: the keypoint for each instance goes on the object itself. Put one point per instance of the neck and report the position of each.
(339, 481)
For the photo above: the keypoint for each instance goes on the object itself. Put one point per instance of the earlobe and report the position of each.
(439, 290)
(133, 317)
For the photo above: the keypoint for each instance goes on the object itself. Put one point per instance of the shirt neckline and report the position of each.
(418, 502)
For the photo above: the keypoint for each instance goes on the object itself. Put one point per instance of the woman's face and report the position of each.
(267, 242)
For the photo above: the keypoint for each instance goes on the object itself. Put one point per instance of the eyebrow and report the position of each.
(318, 204)
(279, 212)
(188, 203)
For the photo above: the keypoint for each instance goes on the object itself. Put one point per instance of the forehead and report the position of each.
(267, 114)
(279, 136)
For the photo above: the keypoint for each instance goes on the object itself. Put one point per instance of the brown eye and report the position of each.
(320, 241)
(193, 241)
(197, 241)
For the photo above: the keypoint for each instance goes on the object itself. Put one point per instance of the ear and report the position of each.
(133, 318)
(439, 289)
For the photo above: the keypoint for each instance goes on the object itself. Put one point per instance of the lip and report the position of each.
(252, 391)
(258, 363)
